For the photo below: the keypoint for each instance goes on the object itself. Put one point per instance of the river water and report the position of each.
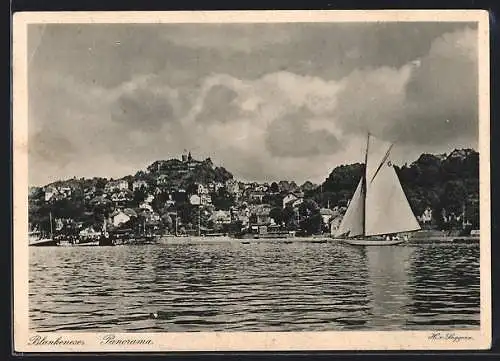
(254, 287)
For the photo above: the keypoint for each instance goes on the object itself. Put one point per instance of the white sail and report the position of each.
(353, 221)
(386, 207)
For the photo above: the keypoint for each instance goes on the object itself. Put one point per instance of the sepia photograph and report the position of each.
(251, 181)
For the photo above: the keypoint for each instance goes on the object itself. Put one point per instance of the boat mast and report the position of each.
(176, 221)
(364, 183)
(50, 219)
(199, 220)
(320, 223)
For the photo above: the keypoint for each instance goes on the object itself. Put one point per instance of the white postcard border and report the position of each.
(28, 341)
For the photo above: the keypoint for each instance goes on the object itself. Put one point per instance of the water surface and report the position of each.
(254, 287)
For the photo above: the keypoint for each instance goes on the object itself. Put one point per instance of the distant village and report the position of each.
(193, 197)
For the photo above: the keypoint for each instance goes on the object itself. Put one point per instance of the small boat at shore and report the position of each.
(91, 243)
(37, 239)
(264, 232)
(379, 210)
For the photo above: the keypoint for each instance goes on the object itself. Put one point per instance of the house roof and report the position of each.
(293, 202)
(297, 194)
(220, 214)
(117, 181)
(130, 212)
(127, 211)
(326, 211)
(261, 210)
(100, 199)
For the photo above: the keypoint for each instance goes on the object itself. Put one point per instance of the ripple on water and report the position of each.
(261, 287)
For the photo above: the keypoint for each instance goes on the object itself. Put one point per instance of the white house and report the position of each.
(120, 218)
(139, 184)
(121, 197)
(89, 232)
(65, 191)
(233, 187)
(123, 216)
(206, 199)
(296, 198)
(57, 192)
(261, 188)
(426, 216)
(326, 215)
(215, 186)
(201, 189)
(162, 179)
(50, 192)
(117, 185)
(145, 205)
(195, 200)
(221, 217)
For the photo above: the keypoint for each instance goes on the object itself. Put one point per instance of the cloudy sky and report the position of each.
(266, 101)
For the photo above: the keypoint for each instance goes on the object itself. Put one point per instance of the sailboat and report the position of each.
(36, 238)
(379, 209)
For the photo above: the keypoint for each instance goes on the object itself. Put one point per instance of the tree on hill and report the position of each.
(100, 183)
(222, 199)
(274, 188)
(276, 213)
(139, 195)
(290, 218)
(307, 186)
(344, 177)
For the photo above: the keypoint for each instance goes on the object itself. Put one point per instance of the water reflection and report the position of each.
(387, 269)
(253, 287)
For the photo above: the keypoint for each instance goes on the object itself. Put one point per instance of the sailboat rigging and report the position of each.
(379, 209)
(36, 238)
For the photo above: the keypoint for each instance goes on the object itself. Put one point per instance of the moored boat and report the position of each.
(88, 243)
(37, 239)
(265, 234)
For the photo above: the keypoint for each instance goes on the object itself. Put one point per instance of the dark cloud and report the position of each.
(291, 136)
(218, 105)
(52, 148)
(109, 54)
(443, 92)
(143, 110)
(431, 100)
(268, 101)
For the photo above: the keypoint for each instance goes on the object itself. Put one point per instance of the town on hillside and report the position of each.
(187, 196)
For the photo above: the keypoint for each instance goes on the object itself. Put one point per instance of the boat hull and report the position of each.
(265, 235)
(46, 242)
(374, 242)
(87, 244)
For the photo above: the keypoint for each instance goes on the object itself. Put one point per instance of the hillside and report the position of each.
(445, 184)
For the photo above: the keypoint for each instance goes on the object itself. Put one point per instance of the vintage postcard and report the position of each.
(264, 180)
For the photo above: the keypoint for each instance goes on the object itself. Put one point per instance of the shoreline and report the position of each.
(199, 240)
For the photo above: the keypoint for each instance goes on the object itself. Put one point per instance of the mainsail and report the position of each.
(379, 205)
